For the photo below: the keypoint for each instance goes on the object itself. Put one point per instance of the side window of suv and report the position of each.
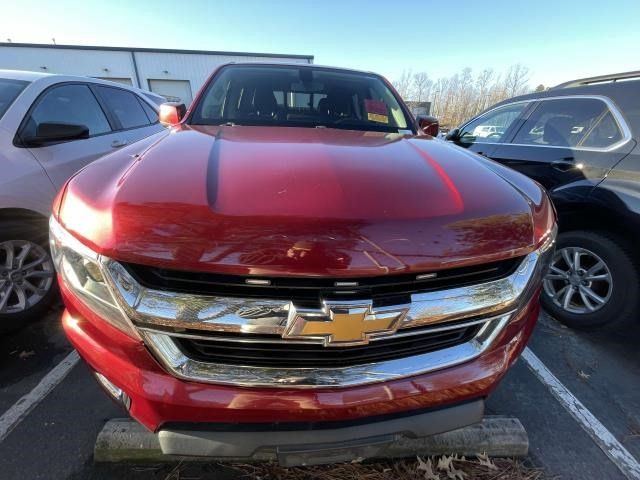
(604, 133)
(569, 123)
(125, 107)
(72, 103)
(491, 126)
(152, 115)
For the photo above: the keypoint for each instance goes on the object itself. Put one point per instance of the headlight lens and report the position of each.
(81, 270)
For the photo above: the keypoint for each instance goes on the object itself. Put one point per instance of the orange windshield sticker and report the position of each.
(374, 117)
(376, 111)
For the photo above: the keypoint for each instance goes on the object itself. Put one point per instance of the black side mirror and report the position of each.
(453, 135)
(49, 132)
(428, 124)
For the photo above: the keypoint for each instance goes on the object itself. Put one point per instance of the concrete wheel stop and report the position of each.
(126, 441)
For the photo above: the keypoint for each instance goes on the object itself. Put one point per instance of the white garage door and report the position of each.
(172, 90)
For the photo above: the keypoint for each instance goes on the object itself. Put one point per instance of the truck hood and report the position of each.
(298, 201)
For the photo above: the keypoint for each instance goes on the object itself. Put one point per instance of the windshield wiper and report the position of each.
(356, 126)
(363, 128)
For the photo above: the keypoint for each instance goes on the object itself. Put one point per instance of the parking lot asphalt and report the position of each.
(602, 370)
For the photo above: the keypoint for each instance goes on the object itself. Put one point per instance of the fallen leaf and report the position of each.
(427, 468)
(584, 375)
(455, 474)
(24, 354)
(444, 463)
(485, 461)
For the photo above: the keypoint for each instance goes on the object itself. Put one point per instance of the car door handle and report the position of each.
(118, 143)
(564, 165)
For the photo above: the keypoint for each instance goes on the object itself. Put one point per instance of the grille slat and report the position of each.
(383, 290)
(314, 355)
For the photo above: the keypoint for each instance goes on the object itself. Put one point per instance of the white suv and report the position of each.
(484, 131)
(50, 127)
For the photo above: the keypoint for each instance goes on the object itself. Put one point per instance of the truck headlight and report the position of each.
(82, 271)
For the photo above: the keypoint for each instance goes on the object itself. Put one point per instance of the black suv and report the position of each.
(579, 140)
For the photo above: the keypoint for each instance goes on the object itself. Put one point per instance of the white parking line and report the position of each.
(619, 455)
(22, 407)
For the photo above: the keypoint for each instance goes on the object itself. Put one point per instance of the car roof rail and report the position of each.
(614, 77)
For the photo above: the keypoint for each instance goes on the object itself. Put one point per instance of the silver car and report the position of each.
(50, 127)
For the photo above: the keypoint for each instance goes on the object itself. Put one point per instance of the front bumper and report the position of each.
(158, 398)
(296, 444)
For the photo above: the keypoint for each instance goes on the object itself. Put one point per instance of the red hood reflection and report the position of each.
(296, 201)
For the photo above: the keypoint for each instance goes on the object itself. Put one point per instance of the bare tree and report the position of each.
(421, 86)
(465, 98)
(516, 80)
(463, 95)
(403, 85)
(483, 89)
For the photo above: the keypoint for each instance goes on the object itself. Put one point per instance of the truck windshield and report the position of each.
(300, 97)
(9, 90)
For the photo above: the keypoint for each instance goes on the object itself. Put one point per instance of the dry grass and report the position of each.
(434, 468)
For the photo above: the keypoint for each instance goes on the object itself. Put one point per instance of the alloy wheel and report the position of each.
(579, 281)
(26, 275)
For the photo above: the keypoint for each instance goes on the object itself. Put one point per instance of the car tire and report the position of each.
(18, 309)
(620, 290)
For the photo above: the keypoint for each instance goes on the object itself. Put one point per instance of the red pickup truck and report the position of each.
(295, 266)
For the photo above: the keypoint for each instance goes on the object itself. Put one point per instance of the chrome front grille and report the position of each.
(255, 341)
(149, 307)
(168, 352)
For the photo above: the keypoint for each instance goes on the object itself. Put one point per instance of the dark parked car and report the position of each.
(579, 140)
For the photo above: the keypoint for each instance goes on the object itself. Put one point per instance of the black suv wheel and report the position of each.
(27, 275)
(593, 281)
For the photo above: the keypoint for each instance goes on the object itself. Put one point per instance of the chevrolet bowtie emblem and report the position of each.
(343, 323)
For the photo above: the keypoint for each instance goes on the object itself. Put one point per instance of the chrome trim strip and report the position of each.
(148, 308)
(275, 339)
(474, 300)
(178, 364)
(425, 276)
